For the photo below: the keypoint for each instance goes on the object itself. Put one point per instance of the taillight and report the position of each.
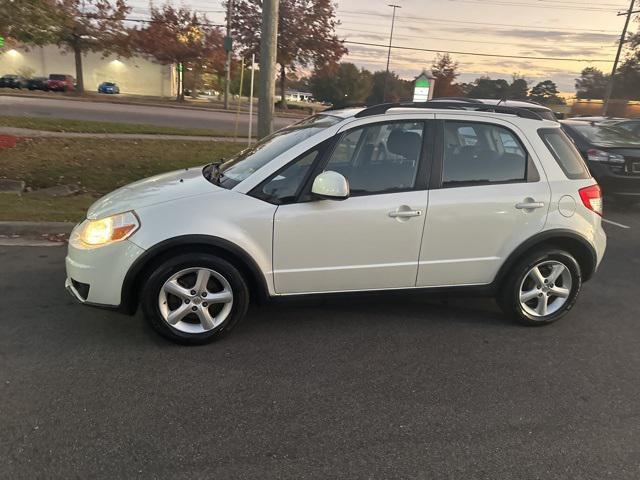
(595, 155)
(592, 198)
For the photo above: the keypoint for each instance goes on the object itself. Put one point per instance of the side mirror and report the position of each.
(331, 186)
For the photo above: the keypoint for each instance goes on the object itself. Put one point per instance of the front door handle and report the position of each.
(529, 205)
(405, 213)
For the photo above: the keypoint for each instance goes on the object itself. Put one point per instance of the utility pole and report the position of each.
(268, 52)
(623, 37)
(386, 76)
(228, 46)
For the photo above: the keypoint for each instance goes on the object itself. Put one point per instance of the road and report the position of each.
(378, 388)
(111, 112)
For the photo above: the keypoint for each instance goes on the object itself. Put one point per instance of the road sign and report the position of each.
(423, 88)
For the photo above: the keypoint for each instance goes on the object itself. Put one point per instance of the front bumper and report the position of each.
(95, 275)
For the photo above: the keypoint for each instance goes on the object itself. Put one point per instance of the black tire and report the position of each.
(151, 291)
(509, 295)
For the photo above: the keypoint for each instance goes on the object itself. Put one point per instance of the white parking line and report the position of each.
(616, 223)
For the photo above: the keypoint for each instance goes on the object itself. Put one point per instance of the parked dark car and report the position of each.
(612, 154)
(37, 83)
(58, 82)
(631, 125)
(13, 81)
(108, 87)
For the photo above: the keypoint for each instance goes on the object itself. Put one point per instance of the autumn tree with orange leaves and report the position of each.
(181, 37)
(306, 34)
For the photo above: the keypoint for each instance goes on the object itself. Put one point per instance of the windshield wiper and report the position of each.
(214, 174)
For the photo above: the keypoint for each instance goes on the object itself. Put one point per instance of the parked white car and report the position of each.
(406, 197)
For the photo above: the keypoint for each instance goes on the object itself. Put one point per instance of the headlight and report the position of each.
(108, 230)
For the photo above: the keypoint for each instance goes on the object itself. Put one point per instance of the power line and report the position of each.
(479, 54)
(421, 37)
(533, 5)
(415, 19)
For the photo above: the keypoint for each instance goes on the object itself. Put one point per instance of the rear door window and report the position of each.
(480, 154)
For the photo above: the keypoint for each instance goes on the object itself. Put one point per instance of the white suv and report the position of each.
(393, 197)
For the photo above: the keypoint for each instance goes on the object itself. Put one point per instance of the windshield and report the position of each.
(55, 76)
(108, 84)
(257, 156)
(599, 134)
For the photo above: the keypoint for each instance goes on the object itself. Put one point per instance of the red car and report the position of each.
(61, 83)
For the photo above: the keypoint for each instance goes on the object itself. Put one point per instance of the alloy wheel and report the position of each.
(195, 300)
(545, 288)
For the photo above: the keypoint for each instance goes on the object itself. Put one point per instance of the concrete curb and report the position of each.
(35, 228)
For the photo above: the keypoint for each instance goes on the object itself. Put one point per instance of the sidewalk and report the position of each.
(26, 132)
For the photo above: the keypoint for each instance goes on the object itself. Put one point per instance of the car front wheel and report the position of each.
(541, 288)
(195, 298)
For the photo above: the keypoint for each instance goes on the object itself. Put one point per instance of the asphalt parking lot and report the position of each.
(390, 388)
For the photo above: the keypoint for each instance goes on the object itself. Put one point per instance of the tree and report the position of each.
(179, 36)
(627, 84)
(546, 92)
(591, 84)
(445, 71)
(306, 34)
(485, 87)
(342, 85)
(397, 88)
(519, 88)
(76, 25)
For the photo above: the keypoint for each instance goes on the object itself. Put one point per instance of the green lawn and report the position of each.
(86, 126)
(97, 166)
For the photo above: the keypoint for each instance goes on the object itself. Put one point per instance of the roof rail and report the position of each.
(456, 105)
(457, 99)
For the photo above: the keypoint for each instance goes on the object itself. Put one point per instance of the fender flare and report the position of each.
(239, 257)
(587, 261)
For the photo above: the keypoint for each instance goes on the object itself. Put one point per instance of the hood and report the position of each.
(153, 190)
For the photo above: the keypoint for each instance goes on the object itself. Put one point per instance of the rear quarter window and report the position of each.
(565, 153)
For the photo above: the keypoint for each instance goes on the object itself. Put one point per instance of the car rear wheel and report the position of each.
(541, 288)
(195, 298)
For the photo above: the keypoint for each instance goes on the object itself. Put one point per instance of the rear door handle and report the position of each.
(405, 213)
(529, 205)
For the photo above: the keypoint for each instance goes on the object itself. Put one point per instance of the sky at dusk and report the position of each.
(571, 29)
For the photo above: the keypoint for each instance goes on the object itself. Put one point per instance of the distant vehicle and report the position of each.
(108, 87)
(612, 155)
(542, 111)
(37, 83)
(13, 81)
(61, 83)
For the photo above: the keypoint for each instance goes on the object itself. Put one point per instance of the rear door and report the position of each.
(488, 195)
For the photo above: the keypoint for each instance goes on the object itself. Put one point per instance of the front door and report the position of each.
(370, 240)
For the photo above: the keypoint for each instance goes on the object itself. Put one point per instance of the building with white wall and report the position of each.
(135, 75)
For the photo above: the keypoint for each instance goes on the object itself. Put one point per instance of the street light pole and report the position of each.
(227, 46)
(607, 96)
(268, 51)
(386, 75)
